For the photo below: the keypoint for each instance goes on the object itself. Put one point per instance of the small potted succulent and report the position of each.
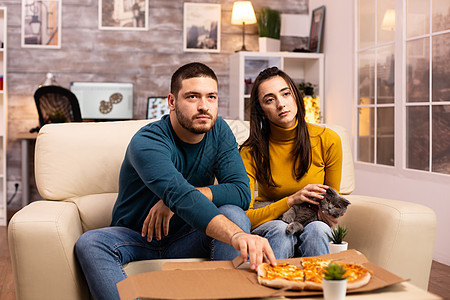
(334, 282)
(337, 236)
(269, 26)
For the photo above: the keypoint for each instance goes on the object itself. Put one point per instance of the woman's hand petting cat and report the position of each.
(158, 214)
(307, 194)
(324, 217)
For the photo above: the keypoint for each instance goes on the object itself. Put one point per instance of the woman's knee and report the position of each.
(282, 243)
(318, 227)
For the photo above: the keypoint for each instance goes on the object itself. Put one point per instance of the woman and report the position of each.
(292, 162)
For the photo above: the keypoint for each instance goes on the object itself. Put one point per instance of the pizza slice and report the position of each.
(357, 275)
(284, 275)
(313, 266)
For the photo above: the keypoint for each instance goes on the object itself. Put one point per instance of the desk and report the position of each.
(26, 138)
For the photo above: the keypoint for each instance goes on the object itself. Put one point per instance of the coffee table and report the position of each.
(400, 291)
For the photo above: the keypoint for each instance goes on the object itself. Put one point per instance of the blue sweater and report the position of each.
(158, 165)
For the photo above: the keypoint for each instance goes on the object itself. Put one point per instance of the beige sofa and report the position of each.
(77, 167)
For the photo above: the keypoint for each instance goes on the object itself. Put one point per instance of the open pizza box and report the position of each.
(222, 280)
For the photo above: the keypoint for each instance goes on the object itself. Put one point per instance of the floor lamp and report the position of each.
(243, 13)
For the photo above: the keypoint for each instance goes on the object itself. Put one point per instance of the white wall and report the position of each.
(430, 190)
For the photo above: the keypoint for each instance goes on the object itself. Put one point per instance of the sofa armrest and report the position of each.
(396, 235)
(41, 238)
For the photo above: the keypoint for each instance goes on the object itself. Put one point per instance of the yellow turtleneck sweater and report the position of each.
(326, 168)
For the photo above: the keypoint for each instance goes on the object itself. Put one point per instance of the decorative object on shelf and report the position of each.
(315, 33)
(269, 25)
(334, 282)
(337, 236)
(201, 27)
(157, 107)
(123, 14)
(243, 13)
(306, 88)
(312, 109)
(312, 103)
(41, 24)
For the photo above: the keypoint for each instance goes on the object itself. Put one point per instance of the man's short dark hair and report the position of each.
(187, 71)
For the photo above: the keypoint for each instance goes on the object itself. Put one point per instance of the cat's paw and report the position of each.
(288, 218)
(294, 228)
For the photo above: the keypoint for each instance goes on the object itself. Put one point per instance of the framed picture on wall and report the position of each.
(315, 33)
(41, 24)
(201, 27)
(157, 107)
(123, 14)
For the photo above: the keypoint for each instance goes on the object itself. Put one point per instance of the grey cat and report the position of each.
(298, 216)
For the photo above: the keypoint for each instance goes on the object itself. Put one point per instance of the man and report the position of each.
(167, 206)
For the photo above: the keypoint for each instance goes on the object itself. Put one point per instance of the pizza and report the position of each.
(283, 275)
(309, 275)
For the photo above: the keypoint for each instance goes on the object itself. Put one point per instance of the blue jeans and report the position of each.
(103, 252)
(313, 241)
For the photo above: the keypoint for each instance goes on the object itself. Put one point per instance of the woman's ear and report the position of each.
(171, 101)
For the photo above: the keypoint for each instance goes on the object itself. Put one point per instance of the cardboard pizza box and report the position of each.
(222, 280)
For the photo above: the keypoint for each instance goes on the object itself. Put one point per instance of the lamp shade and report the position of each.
(388, 23)
(243, 13)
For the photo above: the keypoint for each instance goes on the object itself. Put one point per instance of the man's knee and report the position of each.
(86, 242)
(237, 215)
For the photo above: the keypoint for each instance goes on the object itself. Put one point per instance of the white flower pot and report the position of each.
(334, 289)
(335, 248)
(268, 45)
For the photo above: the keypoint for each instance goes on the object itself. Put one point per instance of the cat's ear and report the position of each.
(346, 201)
(330, 191)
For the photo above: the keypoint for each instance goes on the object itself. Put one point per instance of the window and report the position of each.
(419, 58)
(376, 59)
(427, 85)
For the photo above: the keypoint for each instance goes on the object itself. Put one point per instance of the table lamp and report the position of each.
(243, 13)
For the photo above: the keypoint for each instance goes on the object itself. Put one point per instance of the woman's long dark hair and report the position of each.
(258, 141)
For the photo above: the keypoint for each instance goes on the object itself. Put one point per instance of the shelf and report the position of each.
(3, 118)
(245, 66)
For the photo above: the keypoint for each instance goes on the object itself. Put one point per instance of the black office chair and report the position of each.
(56, 104)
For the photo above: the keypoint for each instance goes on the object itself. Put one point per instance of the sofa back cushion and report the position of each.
(80, 159)
(348, 171)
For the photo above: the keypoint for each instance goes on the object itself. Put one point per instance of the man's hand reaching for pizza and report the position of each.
(159, 215)
(254, 248)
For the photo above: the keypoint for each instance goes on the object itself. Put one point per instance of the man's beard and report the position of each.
(188, 123)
